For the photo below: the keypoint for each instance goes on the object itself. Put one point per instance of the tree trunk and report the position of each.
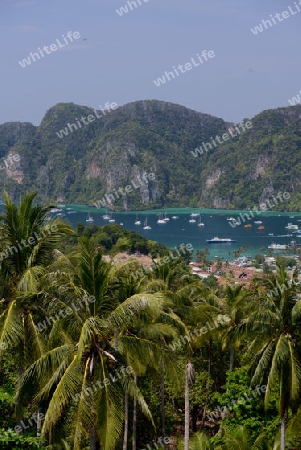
(186, 435)
(39, 422)
(163, 406)
(93, 439)
(209, 355)
(126, 422)
(116, 340)
(205, 407)
(134, 437)
(232, 355)
(282, 441)
(17, 405)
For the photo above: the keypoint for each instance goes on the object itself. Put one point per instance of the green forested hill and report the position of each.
(159, 137)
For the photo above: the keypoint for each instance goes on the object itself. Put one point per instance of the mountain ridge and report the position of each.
(154, 136)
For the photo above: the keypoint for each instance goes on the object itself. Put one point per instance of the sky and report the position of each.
(116, 58)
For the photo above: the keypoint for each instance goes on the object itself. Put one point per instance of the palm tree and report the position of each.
(190, 379)
(27, 241)
(82, 357)
(159, 332)
(167, 283)
(233, 306)
(275, 328)
(27, 245)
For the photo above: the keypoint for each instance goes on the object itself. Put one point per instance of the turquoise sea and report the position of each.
(178, 231)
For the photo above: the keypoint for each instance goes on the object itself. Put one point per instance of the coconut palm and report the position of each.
(27, 244)
(157, 332)
(82, 356)
(275, 328)
(233, 306)
(190, 379)
(27, 241)
(174, 286)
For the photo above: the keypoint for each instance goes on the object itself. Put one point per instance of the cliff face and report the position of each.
(73, 163)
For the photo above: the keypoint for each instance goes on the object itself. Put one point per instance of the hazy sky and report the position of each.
(117, 57)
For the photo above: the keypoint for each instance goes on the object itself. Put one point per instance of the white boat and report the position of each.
(258, 222)
(231, 218)
(161, 220)
(166, 219)
(201, 224)
(111, 220)
(145, 226)
(192, 221)
(277, 247)
(217, 240)
(54, 210)
(291, 226)
(195, 214)
(89, 218)
(106, 215)
(174, 217)
(137, 222)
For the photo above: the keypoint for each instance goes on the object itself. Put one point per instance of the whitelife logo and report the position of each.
(221, 411)
(90, 118)
(188, 66)
(264, 206)
(10, 160)
(222, 139)
(295, 100)
(285, 15)
(53, 48)
(110, 198)
(124, 9)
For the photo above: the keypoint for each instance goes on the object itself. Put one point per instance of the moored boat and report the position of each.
(291, 226)
(146, 227)
(137, 221)
(277, 247)
(161, 220)
(200, 223)
(217, 240)
(89, 218)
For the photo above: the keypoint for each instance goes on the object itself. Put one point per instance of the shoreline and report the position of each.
(174, 210)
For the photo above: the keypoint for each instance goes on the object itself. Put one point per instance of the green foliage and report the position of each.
(244, 406)
(10, 440)
(211, 281)
(155, 136)
(154, 321)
